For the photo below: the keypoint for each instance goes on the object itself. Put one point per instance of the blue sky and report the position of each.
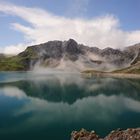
(126, 10)
(121, 16)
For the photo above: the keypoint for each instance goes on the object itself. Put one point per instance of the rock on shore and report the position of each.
(129, 134)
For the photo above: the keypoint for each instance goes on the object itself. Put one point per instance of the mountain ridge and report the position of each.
(69, 55)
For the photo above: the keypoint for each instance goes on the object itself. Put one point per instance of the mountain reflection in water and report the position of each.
(39, 106)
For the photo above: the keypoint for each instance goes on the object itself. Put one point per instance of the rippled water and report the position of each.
(49, 106)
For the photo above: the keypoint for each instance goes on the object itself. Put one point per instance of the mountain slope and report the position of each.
(135, 69)
(19, 62)
(135, 64)
(71, 56)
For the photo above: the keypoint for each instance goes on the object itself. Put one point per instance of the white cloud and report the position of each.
(13, 49)
(12, 92)
(101, 32)
(133, 37)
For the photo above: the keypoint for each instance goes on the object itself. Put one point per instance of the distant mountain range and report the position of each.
(71, 56)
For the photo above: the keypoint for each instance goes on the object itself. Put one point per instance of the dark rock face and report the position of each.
(71, 47)
(110, 51)
(129, 134)
(71, 50)
(51, 49)
(95, 50)
(55, 49)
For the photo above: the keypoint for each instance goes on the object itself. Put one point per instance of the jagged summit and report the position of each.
(72, 41)
(71, 46)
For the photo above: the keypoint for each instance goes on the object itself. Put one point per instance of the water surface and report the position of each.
(50, 106)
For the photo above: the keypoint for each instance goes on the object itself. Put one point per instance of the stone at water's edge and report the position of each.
(129, 134)
(84, 135)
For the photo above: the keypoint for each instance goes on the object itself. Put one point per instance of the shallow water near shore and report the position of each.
(49, 106)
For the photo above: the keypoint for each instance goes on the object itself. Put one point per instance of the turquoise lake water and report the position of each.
(49, 106)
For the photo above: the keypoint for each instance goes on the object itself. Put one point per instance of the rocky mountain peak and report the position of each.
(72, 41)
(71, 47)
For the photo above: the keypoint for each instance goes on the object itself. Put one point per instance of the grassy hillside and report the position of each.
(134, 69)
(12, 64)
(19, 62)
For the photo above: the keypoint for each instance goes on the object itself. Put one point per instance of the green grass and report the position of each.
(19, 62)
(11, 64)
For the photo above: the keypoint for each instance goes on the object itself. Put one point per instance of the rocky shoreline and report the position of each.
(119, 134)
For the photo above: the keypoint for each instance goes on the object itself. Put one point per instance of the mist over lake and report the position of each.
(37, 106)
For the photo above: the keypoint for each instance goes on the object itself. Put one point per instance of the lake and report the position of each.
(49, 106)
